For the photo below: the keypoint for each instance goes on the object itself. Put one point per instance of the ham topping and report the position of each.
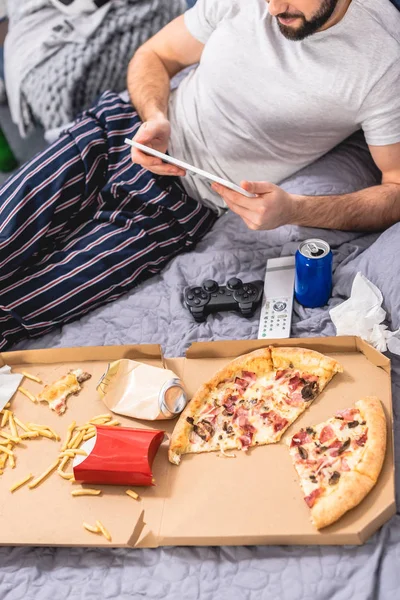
(326, 434)
(348, 414)
(301, 437)
(294, 383)
(362, 439)
(280, 373)
(295, 399)
(249, 375)
(311, 498)
(344, 465)
(243, 384)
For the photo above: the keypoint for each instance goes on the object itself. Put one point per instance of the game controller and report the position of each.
(211, 297)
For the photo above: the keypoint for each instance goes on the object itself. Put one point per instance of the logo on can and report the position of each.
(313, 279)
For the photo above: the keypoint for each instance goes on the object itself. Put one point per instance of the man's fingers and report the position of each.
(234, 197)
(167, 170)
(143, 159)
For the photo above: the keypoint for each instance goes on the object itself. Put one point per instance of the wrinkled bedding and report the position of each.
(153, 313)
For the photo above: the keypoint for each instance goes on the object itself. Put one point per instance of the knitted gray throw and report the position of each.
(69, 81)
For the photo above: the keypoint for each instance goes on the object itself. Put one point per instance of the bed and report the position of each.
(154, 313)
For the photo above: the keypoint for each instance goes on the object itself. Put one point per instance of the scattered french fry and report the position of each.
(27, 393)
(12, 425)
(4, 420)
(69, 435)
(105, 417)
(29, 435)
(63, 463)
(86, 492)
(72, 453)
(104, 530)
(6, 450)
(68, 476)
(89, 436)
(132, 494)
(8, 405)
(44, 475)
(91, 528)
(7, 436)
(32, 377)
(21, 425)
(78, 441)
(11, 459)
(112, 423)
(19, 484)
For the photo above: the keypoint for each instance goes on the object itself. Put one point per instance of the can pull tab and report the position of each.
(314, 250)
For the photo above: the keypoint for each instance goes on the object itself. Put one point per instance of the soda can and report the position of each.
(313, 279)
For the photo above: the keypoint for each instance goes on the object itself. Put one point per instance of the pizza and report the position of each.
(251, 401)
(57, 393)
(339, 461)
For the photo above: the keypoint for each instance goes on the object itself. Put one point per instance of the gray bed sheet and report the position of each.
(153, 313)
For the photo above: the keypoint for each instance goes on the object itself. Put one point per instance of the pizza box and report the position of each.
(208, 500)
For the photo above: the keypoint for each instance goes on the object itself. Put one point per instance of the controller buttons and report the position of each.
(234, 283)
(210, 285)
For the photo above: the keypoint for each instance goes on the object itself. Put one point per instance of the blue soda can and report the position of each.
(313, 279)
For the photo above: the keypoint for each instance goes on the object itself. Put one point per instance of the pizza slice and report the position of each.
(339, 461)
(251, 401)
(57, 393)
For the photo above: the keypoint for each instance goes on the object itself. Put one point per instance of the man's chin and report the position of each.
(295, 34)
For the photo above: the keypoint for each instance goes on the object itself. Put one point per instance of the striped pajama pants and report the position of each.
(80, 224)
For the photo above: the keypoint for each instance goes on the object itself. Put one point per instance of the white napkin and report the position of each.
(362, 314)
(9, 383)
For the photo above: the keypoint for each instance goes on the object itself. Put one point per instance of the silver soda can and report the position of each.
(313, 279)
(172, 398)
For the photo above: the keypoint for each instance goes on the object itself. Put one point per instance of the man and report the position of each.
(277, 86)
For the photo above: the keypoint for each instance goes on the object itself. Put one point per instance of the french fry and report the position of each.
(114, 423)
(8, 405)
(104, 530)
(86, 492)
(91, 528)
(6, 450)
(69, 435)
(71, 453)
(21, 425)
(4, 420)
(19, 484)
(103, 416)
(7, 436)
(78, 441)
(45, 431)
(132, 494)
(29, 435)
(27, 393)
(44, 475)
(11, 459)
(12, 425)
(1, 471)
(32, 377)
(89, 436)
(68, 476)
(63, 463)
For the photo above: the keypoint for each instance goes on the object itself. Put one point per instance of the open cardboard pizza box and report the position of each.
(208, 500)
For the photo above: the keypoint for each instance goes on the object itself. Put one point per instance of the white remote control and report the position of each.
(277, 304)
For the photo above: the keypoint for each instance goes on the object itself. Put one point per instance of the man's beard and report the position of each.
(307, 27)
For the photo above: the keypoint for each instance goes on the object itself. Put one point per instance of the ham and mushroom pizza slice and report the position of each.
(56, 394)
(339, 460)
(251, 401)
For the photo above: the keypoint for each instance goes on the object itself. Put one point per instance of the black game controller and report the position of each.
(211, 297)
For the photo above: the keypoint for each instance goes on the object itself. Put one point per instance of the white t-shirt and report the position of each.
(261, 107)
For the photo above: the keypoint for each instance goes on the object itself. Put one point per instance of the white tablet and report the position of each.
(193, 170)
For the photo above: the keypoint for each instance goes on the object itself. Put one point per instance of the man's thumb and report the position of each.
(257, 187)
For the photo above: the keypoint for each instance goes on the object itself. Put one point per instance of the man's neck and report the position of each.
(338, 14)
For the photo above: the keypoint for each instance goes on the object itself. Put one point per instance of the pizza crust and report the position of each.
(350, 491)
(308, 361)
(258, 361)
(371, 462)
(356, 484)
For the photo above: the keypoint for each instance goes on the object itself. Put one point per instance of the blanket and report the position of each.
(154, 313)
(56, 66)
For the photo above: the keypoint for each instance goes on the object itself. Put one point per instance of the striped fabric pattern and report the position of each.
(80, 225)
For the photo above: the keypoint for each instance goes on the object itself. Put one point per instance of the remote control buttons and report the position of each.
(210, 285)
(234, 283)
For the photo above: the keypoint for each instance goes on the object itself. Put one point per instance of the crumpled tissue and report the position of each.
(9, 383)
(362, 315)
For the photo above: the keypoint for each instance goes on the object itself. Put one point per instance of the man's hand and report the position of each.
(272, 208)
(155, 133)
